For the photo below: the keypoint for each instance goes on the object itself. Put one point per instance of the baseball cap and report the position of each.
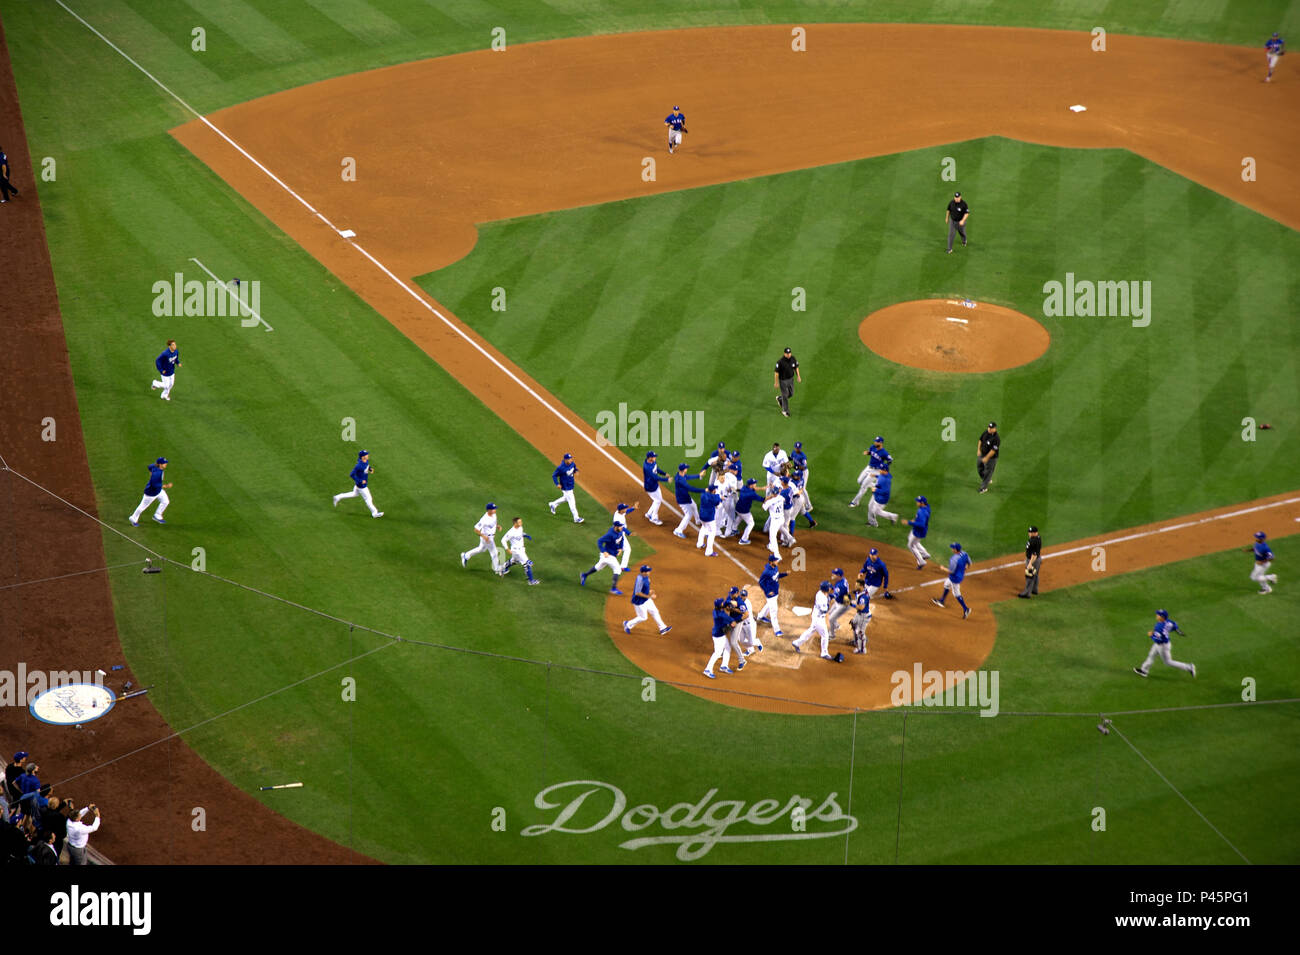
(682, 466)
(646, 568)
(993, 424)
(676, 108)
(162, 461)
(1260, 535)
(920, 499)
(722, 445)
(825, 585)
(718, 602)
(884, 465)
(838, 571)
(1033, 529)
(491, 506)
(622, 507)
(750, 482)
(873, 552)
(787, 352)
(567, 456)
(879, 440)
(956, 195)
(773, 558)
(21, 755)
(1162, 613)
(362, 453)
(955, 546)
(649, 455)
(798, 444)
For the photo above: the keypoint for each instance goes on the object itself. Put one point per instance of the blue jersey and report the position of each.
(563, 475)
(1262, 553)
(640, 590)
(611, 542)
(1274, 44)
(155, 480)
(883, 484)
(683, 488)
(839, 590)
(879, 457)
(1160, 632)
(862, 602)
(652, 476)
(799, 460)
(787, 495)
(166, 362)
(676, 120)
(876, 571)
(358, 474)
(921, 523)
(747, 499)
(709, 502)
(957, 565)
(740, 470)
(721, 622)
(770, 581)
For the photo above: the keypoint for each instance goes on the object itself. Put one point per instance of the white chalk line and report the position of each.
(416, 294)
(226, 285)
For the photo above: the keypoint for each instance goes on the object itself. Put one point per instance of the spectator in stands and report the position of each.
(29, 782)
(79, 831)
(53, 821)
(33, 804)
(12, 772)
(44, 853)
(13, 842)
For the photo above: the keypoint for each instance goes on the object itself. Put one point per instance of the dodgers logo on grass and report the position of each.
(76, 703)
(589, 806)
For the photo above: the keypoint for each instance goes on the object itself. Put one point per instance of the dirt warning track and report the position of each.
(442, 145)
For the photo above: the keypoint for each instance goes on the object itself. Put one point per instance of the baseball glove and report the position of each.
(888, 595)
(838, 658)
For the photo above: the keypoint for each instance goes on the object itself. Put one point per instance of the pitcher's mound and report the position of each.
(954, 335)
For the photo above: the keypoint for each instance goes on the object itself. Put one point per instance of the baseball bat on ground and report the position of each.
(283, 786)
(139, 692)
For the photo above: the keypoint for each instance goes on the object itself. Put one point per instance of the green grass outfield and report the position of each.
(683, 302)
(254, 433)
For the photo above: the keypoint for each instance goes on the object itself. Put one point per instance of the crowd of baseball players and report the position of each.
(719, 502)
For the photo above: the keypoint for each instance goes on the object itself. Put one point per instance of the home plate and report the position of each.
(1078, 109)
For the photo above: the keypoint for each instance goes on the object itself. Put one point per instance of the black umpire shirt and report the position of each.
(1033, 547)
(990, 442)
(785, 366)
(958, 209)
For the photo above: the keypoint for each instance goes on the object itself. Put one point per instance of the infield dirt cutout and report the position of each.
(568, 123)
(957, 335)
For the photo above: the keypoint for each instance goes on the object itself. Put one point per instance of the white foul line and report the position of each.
(232, 294)
(383, 268)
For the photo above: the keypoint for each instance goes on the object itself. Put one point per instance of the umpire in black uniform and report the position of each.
(784, 376)
(6, 187)
(988, 446)
(956, 216)
(1033, 560)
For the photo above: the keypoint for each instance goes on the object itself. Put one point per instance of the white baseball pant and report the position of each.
(819, 627)
(166, 383)
(483, 545)
(748, 521)
(644, 612)
(610, 561)
(1162, 650)
(866, 483)
(361, 492)
(875, 509)
(707, 535)
(917, 548)
(721, 651)
(833, 620)
(689, 513)
(770, 612)
(1261, 576)
(656, 502)
(160, 497)
(565, 496)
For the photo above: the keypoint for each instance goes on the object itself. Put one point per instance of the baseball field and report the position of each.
(462, 246)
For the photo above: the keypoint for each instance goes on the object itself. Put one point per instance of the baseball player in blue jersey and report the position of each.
(486, 529)
(800, 461)
(920, 526)
(676, 124)
(1160, 646)
(513, 541)
(770, 583)
(957, 565)
(651, 478)
(840, 602)
(880, 497)
(562, 477)
(722, 626)
(155, 490)
(1273, 50)
(1263, 559)
(878, 458)
(360, 475)
(744, 503)
(710, 500)
(166, 364)
(748, 629)
(875, 575)
(643, 602)
(682, 491)
(620, 517)
(610, 546)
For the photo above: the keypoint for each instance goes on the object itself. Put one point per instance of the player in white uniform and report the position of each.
(513, 540)
(775, 527)
(748, 628)
(643, 602)
(774, 460)
(729, 488)
(486, 529)
(821, 607)
(620, 516)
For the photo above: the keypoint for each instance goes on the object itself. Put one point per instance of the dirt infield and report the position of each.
(954, 335)
(420, 193)
(148, 793)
